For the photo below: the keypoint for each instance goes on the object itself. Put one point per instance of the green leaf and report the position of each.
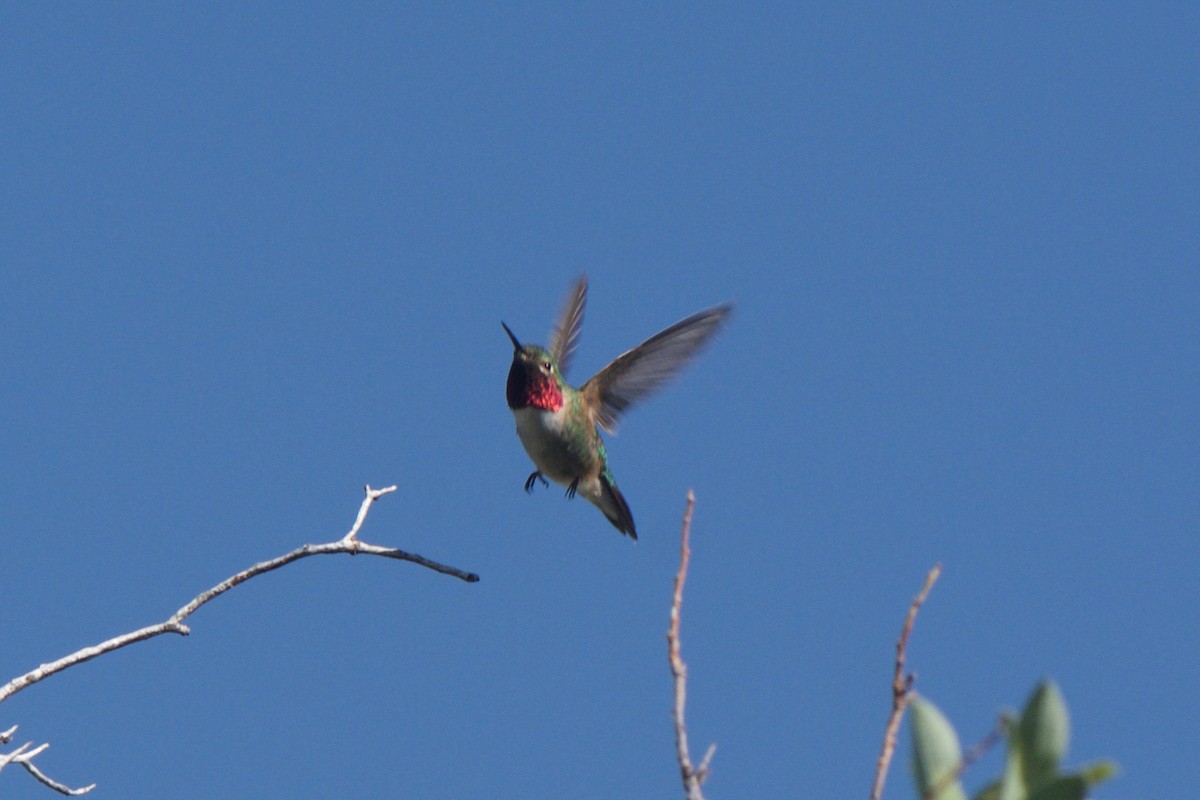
(1012, 782)
(1065, 787)
(1042, 735)
(1098, 772)
(936, 753)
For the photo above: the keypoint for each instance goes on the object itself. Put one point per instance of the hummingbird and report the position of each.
(558, 424)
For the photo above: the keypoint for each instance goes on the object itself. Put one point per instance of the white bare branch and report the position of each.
(348, 544)
(174, 624)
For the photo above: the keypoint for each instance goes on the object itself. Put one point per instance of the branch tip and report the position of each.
(902, 685)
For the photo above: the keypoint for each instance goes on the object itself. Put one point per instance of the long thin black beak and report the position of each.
(516, 344)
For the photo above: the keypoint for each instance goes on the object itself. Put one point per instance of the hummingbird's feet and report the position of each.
(571, 489)
(535, 476)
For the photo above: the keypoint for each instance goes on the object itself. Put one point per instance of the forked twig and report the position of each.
(23, 757)
(174, 624)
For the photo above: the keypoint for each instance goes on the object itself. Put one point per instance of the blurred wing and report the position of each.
(643, 369)
(565, 336)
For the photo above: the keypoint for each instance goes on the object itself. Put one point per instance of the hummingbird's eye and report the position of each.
(546, 365)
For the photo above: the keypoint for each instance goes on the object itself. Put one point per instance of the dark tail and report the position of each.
(615, 507)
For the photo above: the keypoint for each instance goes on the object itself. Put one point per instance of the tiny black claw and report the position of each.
(535, 476)
(571, 489)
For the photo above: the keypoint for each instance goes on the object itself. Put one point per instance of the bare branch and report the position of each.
(692, 777)
(902, 684)
(23, 756)
(348, 544)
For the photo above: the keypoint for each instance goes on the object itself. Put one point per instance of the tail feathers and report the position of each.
(613, 504)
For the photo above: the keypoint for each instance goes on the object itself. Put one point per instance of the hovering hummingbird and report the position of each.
(557, 422)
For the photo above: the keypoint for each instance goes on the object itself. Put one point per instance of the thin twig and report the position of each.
(348, 544)
(692, 777)
(372, 496)
(902, 684)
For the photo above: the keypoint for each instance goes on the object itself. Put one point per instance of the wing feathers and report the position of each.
(638, 372)
(565, 336)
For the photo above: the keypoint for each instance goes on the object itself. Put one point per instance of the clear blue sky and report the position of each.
(255, 256)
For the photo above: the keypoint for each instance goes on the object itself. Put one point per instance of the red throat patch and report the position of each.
(542, 392)
(530, 387)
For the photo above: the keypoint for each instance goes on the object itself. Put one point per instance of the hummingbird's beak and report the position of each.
(516, 344)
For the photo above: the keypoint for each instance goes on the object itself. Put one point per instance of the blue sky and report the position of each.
(255, 256)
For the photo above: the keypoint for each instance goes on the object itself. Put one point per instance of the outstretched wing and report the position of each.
(565, 336)
(638, 372)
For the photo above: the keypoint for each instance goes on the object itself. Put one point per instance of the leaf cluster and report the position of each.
(1037, 745)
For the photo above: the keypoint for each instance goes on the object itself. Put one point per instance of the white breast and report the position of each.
(541, 435)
